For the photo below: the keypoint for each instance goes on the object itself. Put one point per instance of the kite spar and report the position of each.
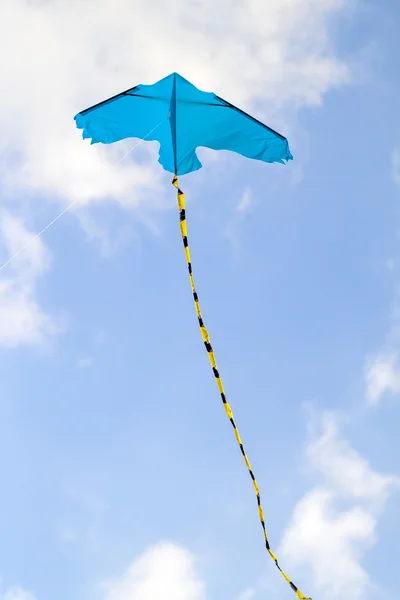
(182, 118)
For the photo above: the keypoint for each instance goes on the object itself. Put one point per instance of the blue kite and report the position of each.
(183, 118)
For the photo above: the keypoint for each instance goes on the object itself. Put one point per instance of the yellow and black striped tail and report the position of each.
(211, 356)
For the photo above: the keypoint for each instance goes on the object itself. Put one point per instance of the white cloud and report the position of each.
(68, 54)
(382, 375)
(348, 473)
(334, 524)
(22, 322)
(330, 543)
(164, 572)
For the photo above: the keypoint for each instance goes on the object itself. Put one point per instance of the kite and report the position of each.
(182, 118)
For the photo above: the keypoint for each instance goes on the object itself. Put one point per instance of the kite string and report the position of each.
(62, 213)
(211, 356)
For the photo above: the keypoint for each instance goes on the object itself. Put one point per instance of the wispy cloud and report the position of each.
(382, 375)
(83, 518)
(248, 594)
(22, 321)
(66, 533)
(245, 202)
(382, 370)
(395, 164)
(85, 362)
(233, 230)
(17, 593)
(100, 337)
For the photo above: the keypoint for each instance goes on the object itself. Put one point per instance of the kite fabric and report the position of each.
(182, 118)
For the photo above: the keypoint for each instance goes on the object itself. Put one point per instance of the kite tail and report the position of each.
(228, 410)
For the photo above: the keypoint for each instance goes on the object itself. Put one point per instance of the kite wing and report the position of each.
(181, 118)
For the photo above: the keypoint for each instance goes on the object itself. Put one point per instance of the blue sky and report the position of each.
(121, 479)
